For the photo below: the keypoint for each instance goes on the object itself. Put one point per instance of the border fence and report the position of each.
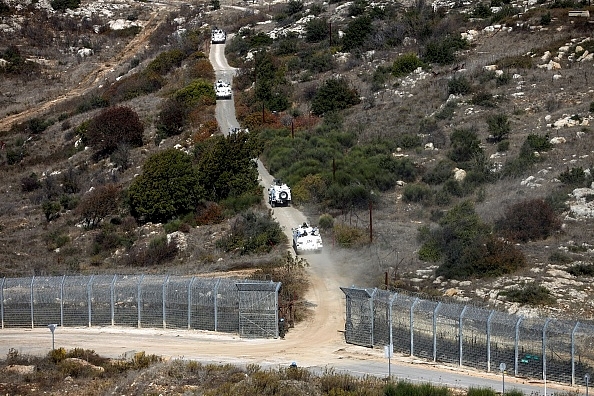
(247, 307)
(465, 335)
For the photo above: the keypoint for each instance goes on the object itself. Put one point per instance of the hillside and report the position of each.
(531, 65)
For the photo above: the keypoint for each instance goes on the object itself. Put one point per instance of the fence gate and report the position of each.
(359, 316)
(258, 309)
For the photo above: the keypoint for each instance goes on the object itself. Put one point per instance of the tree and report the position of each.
(334, 94)
(112, 127)
(169, 186)
(225, 165)
(98, 204)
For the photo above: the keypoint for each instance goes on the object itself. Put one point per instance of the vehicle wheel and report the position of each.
(273, 204)
(283, 195)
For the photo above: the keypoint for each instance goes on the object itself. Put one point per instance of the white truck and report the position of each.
(279, 194)
(307, 239)
(218, 36)
(222, 90)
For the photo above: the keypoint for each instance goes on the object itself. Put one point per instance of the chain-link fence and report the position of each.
(249, 308)
(466, 335)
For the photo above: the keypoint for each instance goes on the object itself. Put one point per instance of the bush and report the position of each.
(561, 258)
(316, 30)
(459, 86)
(112, 127)
(581, 269)
(158, 252)
(350, 237)
(98, 204)
(356, 33)
(334, 94)
(499, 127)
(483, 98)
(481, 10)
(406, 64)
(416, 193)
(30, 183)
(464, 145)
(251, 233)
(326, 222)
(197, 93)
(166, 61)
(530, 294)
(574, 177)
(62, 5)
(443, 51)
(168, 187)
(528, 220)
(441, 172)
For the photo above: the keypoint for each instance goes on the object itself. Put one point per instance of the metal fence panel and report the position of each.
(358, 326)
(151, 291)
(448, 333)
(177, 302)
(258, 309)
(126, 308)
(46, 295)
(541, 348)
(203, 301)
(76, 301)
(17, 302)
(423, 329)
(474, 337)
(101, 300)
(227, 306)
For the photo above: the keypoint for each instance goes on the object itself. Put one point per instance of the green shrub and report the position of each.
(447, 112)
(406, 64)
(503, 145)
(408, 141)
(443, 50)
(441, 172)
(62, 5)
(483, 98)
(498, 126)
(464, 145)
(356, 32)
(530, 294)
(559, 257)
(326, 221)
(198, 92)
(252, 233)
(574, 177)
(51, 210)
(350, 237)
(316, 30)
(430, 252)
(459, 85)
(334, 94)
(472, 391)
(416, 193)
(158, 252)
(169, 186)
(481, 10)
(581, 269)
(166, 61)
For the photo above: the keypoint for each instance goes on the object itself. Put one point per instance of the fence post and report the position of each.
(276, 318)
(371, 306)
(489, 340)
(390, 319)
(435, 331)
(2, 301)
(112, 299)
(190, 302)
(89, 293)
(62, 300)
(460, 332)
(544, 349)
(31, 298)
(139, 300)
(412, 326)
(517, 345)
(573, 353)
(165, 282)
(216, 310)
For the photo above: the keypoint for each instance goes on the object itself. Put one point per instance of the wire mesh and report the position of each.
(467, 335)
(141, 301)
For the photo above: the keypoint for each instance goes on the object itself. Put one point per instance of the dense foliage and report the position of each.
(169, 186)
(529, 220)
(334, 94)
(112, 127)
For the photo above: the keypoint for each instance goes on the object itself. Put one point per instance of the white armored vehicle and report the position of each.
(222, 90)
(279, 194)
(218, 36)
(307, 239)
